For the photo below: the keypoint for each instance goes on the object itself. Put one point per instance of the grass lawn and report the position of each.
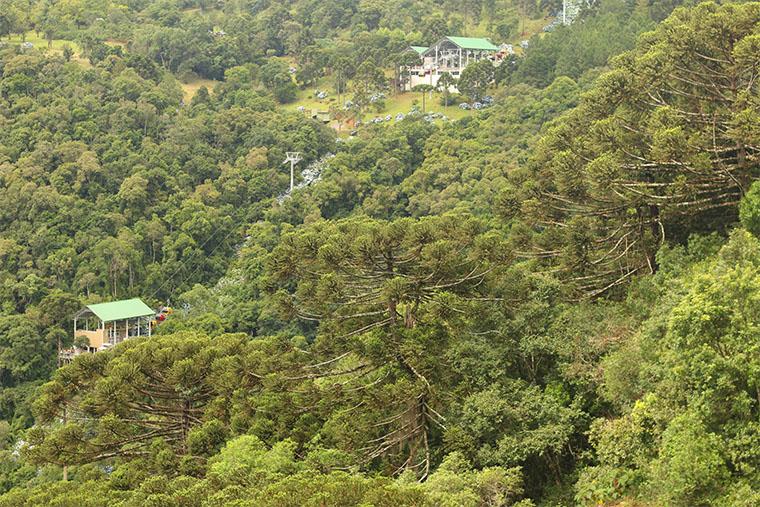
(394, 104)
(526, 28)
(403, 103)
(532, 27)
(42, 44)
(306, 98)
(191, 87)
(56, 46)
(116, 42)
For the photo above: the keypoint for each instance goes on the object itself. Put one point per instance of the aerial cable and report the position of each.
(212, 251)
(191, 257)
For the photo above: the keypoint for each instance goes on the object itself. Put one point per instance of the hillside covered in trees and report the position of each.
(551, 301)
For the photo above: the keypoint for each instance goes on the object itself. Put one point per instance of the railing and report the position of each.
(68, 355)
(438, 69)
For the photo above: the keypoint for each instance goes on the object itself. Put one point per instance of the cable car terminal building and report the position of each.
(452, 55)
(107, 324)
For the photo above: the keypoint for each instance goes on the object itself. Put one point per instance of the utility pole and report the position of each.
(571, 9)
(293, 157)
(564, 12)
(339, 84)
(65, 467)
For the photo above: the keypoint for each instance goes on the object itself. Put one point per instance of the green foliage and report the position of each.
(383, 300)
(535, 305)
(476, 78)
(574, 50)
(129, 198)
(24, 353)
(621, 173)
(122, 402)
(456, 484)
(275, 76)
(369, 80)
(749, 210)
(690, 468)
(691, 435)
(247, 472)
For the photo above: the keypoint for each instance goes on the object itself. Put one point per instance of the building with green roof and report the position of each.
(449, 55)
(120, 310)
(472, 43)
(104, 325)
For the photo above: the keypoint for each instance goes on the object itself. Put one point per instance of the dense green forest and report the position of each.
(551, 301)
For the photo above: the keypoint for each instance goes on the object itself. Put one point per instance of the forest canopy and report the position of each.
(550, 299)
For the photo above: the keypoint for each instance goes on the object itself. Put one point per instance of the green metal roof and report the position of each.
(120, 310)
(474, 43)
(419, 49)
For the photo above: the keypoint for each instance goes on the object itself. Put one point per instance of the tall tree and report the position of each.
(664, 144)
(445, 82)
(119, 403)
(476, 78)
(380, 292)
(368, 81)
(424, 90)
